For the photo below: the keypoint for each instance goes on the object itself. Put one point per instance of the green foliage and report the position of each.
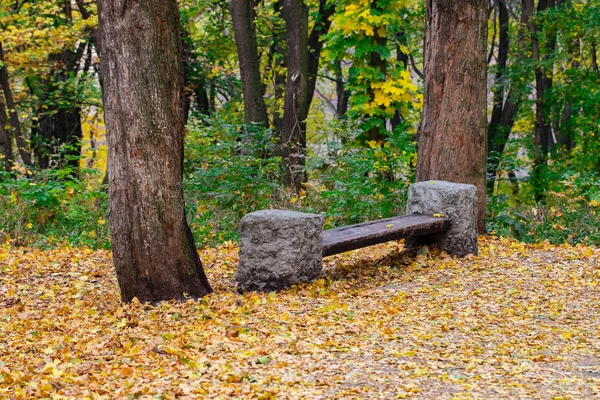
(371, 37)
(348, 183)
(52, 208)
(223, 181)
(571, 213)
(353, 183)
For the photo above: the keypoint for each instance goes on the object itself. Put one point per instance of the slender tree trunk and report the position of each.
(315, 45)
(277, 59)
(153, 247)
(543, 84)
(452, 138)
(561, 119)
(242, 15)
(503, 112)
(594, 56)
(342, 94)
(14, 123)
(403, 60)
(5, 138)
(295, 14)
(379, 66)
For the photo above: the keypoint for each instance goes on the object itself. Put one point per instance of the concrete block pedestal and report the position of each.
(279, 249)
(455, 201)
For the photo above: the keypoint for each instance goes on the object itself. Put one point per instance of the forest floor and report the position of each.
(517, 321)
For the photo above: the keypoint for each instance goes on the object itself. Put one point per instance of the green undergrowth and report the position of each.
(347, 182)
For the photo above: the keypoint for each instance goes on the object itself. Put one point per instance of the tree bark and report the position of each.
(342, 95)
(153, 247)
(242, 15)
(452, 137)
(503, 111)
(315, 45)
(402, 58)
(543, 84)
(14, 122)
(278, 64)
(295, 107)
(5, 138)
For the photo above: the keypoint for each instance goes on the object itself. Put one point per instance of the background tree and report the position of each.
(243, 16)
(5, 140)
(14, 120)
(142, 64)
(507, 94)
(365, 35)
(452, 137)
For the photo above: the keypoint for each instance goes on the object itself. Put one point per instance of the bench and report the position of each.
(281, 248)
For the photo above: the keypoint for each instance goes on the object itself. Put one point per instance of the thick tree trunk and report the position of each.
(14, 122)
(153, 248)
(452, 138)
(295, 14)
(242, 15)
(42, 132)
(69, 132)
(5, 138)
(59, 118)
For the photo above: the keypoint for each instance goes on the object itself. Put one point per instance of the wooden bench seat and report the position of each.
(352, 237)
(280, 248)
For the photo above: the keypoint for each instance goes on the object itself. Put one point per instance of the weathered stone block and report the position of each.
(458, 203)
(279, 249)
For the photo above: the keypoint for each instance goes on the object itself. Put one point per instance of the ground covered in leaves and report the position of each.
(517, 321)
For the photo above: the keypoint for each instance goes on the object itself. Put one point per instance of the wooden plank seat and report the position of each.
(280, 248)
(352, 237)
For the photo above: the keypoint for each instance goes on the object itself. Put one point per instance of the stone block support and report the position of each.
(279, 249)
(455, 201)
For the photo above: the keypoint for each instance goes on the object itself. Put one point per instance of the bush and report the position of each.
(53, 207)
(347, 182)
(571, 213)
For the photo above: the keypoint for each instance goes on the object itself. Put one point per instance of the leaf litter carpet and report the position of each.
(517, 321)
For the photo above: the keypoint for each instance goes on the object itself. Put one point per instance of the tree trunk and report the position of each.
(402, 58)
(278, 63)
(342, 95)
(67, 122)
(543, 84)
(503, 112)
(14, 123)
(153, 247)
(315, 45)
(378, 64)
(242, 15)
(5, 139)
(452, 138)
(295, 14)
